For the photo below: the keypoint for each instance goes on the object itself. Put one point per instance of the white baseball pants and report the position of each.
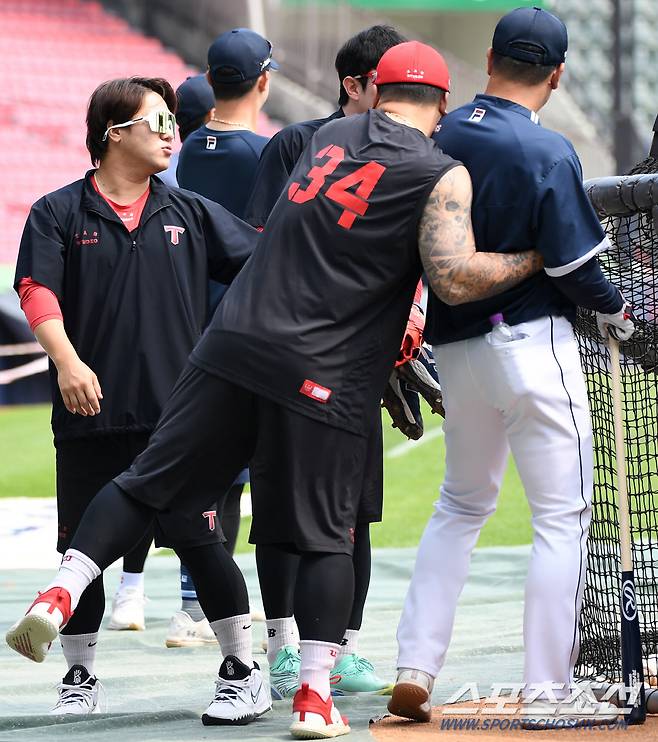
(527, 396)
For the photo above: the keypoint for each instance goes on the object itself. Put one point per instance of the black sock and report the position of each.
(220, 586)
(323, 596)
(277, 574)
(361, 558)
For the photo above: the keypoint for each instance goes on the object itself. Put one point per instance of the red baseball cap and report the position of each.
(413, 62)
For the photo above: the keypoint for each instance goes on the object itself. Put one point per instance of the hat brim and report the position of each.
(273, 65)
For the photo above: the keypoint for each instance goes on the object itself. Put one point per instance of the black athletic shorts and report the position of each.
(306, 477)
(84, 465)
(371, 503)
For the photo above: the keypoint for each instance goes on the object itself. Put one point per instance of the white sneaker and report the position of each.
(78, 694)
(184, 631)
(241, 694)
(33, 635)
(582, 711)
(128, 610)
(315, 718)
(412, 695)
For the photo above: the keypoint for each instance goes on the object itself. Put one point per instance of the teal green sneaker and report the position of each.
(354, 675)
(284, 673)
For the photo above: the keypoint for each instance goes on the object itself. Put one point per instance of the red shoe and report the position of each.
(314, 718)
(36, 631)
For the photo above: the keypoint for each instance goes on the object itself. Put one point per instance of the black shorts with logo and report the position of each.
(84, 465)
(307, 477)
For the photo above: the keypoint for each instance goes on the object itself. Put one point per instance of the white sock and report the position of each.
(132, 579)
(76, 572)
(349, 644)
(317, 662)
(80, 649)
(234, 637)
(280, 632)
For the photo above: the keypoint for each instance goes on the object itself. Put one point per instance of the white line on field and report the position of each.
(402, 449)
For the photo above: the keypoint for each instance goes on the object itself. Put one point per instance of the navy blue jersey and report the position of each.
(527, 193)
(276, 163)
(315, 319)
(221, 165)
(134, 303)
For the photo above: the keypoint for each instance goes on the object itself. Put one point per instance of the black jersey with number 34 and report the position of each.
(315, 319)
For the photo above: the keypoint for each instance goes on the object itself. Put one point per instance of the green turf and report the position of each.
(27, 453)
(411, 480)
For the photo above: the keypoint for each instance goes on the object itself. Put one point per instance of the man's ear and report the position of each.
(489, 61)
(554, 80)
(263, 80)
(208, 78)
(115, 134)
(443, 103)
(352, 87)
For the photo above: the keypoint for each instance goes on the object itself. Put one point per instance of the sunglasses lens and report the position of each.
(162, 122)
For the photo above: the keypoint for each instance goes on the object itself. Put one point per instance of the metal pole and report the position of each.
(625, 138)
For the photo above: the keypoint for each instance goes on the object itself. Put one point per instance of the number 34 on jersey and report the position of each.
(355, 202)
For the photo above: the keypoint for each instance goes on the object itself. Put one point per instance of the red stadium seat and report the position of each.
(42, 106)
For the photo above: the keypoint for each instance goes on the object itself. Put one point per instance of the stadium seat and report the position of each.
(42, 107)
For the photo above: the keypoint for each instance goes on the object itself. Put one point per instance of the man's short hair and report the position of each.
(361, 54)
(117, 101)
(232, 90)
(409, 92)
(191, 126)
(515, 70)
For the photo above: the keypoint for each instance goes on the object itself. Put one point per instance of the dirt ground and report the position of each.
(448, 723)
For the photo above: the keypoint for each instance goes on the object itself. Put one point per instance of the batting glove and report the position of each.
(619, 325)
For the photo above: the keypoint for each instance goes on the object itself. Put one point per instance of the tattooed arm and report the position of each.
(456, 272)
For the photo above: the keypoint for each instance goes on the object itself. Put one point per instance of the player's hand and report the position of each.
(79, 386)
(619, 325)
(413, 336)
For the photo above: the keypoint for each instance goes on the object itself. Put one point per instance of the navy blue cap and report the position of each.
(195, 99)
(531, 35)
(239, 55)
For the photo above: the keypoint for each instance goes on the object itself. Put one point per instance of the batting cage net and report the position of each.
(628, 208)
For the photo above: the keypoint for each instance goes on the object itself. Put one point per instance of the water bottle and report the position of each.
(501, 332)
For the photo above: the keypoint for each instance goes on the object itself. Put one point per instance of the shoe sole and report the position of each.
(301, 730)
(406, 700)
(386, 691)
(29, 635)
(215, 721)
(396, 413)
(126, 627)
(176, 643)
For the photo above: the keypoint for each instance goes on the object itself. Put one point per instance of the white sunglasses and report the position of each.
(160, 122)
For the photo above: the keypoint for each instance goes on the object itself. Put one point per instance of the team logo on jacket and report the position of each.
(210, 515)
(174, 233)
(315, 391)
(477, 115)
(86, 238)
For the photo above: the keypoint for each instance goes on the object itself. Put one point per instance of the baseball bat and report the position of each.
(631, 642)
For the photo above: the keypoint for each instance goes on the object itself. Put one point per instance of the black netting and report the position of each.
(631, 265)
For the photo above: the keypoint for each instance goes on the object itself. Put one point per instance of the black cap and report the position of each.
(239, 55)
(531, 35)
(195, 99)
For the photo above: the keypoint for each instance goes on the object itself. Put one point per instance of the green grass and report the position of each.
(27, 453)
(411, 480)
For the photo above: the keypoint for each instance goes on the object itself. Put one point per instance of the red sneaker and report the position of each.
(314, 718)
(35, 632)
